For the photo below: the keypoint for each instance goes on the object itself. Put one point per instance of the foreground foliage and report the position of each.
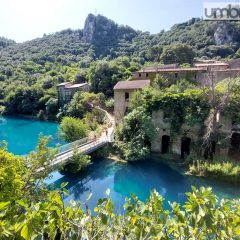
(202, 217)
(19, 176)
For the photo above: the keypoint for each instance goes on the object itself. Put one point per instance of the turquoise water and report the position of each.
(139, 178)
(22, 134)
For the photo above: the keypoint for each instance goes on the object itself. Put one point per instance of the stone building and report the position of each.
(163, 142)
(66, 91)
(123, 91)
(199, 72)
(190, 137)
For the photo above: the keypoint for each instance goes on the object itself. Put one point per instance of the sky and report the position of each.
(23, 20)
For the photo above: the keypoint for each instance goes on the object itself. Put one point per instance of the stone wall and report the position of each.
(201, 77)
(66, 94)
(120, 104)
(193, 132)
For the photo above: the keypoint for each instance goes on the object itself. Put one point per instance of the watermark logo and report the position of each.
(221, 11)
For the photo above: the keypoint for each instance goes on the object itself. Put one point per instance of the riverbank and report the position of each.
(224, 170)
(30, 117)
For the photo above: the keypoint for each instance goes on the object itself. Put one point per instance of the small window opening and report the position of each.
(126, 96)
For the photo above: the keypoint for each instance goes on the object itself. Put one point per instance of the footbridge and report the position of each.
(84, 146)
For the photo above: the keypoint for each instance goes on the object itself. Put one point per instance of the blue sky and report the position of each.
(23, 20)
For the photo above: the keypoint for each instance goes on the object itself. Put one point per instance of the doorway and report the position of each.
(235, 146)
(165, 144)
(185, 147)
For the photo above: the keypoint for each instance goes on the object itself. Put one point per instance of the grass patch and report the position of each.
(218, 168)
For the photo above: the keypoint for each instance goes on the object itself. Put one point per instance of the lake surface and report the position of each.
(22, 134)
(139, 178)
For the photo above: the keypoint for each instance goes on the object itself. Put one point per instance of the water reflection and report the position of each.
(139, 178)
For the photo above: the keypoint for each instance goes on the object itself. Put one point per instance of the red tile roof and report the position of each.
(76, 85)
(211, 64)
(157, 70)
(63, 84)
(71, 85)
(135, 84)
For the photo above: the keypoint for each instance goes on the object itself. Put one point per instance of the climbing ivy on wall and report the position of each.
(190, 107)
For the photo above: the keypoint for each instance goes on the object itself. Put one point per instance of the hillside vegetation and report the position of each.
(102, 53)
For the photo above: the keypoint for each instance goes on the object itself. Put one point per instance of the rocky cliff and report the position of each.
(102, 32)
(224, 33)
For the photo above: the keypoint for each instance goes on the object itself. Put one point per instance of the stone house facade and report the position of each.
(181, 144)
(189, 138)
(123, 92)
(66, 91)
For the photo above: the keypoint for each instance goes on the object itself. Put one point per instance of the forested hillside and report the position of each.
(102, 53)
(4, 42)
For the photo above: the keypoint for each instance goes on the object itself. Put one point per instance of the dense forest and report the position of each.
(102, 53)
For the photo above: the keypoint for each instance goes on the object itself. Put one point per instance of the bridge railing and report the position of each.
(70, 146)
(84, 148)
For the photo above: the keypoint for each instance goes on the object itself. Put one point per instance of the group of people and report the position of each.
(106, 133)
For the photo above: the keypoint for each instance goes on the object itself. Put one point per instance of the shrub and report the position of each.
(110, 104)
(134, 135)
(73, 129)
(78, 162)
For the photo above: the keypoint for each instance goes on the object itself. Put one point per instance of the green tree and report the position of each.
(178, 53)
(134, 135)
(78, 162)
(154, 53)
(203, 216)
(52, 107)
(73, 129)
(82, 103)
(24, 100)
(11, 171)
(161, 82)
(81, 76)
(103, 75)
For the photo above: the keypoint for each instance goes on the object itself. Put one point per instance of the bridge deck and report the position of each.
(86, 148)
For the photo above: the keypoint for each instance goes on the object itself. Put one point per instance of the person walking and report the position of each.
(106, 131)
(95, 139)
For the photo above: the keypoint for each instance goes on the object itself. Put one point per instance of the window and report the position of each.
(126, 96)
(166, 115)
(140, 74)
(195, 76)
(146, 74)
(68, 95)
(176, 75)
